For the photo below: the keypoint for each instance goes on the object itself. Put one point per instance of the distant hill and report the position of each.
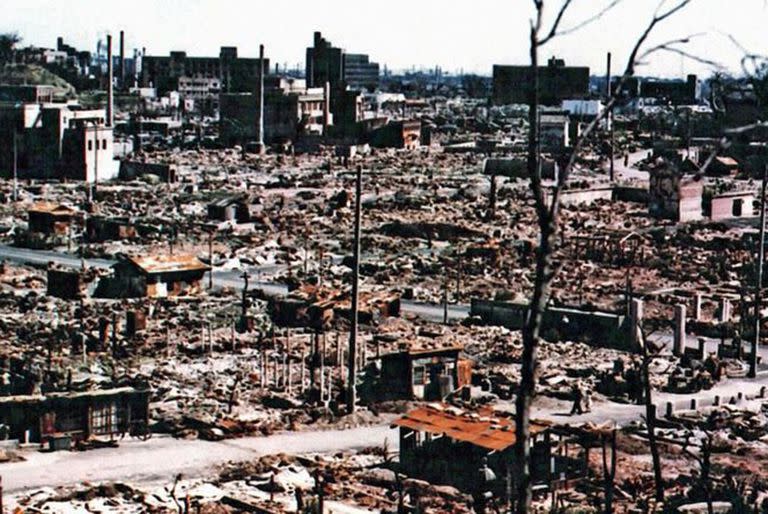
(35, 75)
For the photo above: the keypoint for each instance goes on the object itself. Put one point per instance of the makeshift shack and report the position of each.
(421, 373)
(50, 219)
(157, 276)
(447, 445)
(76, 416)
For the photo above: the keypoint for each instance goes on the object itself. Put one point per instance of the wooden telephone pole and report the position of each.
(759, 284)
(352, 361)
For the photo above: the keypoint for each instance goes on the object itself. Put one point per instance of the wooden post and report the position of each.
(322, 368)
(263, 368)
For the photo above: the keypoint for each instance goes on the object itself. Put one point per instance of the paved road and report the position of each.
(221, 278)
(630, 172)
(162, 457)
(43, 257)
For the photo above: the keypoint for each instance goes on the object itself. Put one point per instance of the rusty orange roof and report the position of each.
(51, 208)
(482, 428)
(168, 263)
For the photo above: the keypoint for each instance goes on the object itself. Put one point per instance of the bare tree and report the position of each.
(548, 206)
(8, 43)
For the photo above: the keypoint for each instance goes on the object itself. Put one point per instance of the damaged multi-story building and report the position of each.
(42, 139)
(233, 73)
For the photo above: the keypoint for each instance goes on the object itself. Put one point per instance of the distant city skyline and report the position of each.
(450, 34)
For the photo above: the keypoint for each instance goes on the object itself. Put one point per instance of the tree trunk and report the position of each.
(538, 303)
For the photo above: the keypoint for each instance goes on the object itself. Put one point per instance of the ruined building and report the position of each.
(55, 140)
(557, 82)
(234, 74)
(326, 63)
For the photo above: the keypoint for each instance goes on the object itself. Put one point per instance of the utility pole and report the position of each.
(352, 358)
(15, 171)
(210, 261)
(445, 297)
(458, 278)
(759, 284)
(244, 304)
(95, 158)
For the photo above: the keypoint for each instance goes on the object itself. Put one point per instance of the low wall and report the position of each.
(594, 327)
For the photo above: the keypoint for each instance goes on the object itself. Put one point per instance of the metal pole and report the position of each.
(352, 366)
(759, 284)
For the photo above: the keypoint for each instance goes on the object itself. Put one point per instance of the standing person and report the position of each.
(578, 397)
(588, 400)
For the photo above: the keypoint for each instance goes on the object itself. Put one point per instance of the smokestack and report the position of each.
(326, 108)
(609, 91)
(122, 59)
(110, 86)
(261, 100)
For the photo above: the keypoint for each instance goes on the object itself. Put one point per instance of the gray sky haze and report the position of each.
(468, 35)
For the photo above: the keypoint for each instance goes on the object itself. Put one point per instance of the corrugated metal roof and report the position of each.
(421, 347)
(168, 263)
(480, 428)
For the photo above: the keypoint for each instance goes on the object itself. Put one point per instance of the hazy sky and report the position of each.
(468, 35)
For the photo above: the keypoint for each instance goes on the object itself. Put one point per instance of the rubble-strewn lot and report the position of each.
(241, 360)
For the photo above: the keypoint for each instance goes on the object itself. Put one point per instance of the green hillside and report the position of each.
(33, 74)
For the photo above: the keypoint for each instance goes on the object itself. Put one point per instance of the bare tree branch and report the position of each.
(556, 24)
(581, 24)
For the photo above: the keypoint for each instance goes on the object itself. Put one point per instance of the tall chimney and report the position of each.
(122, 59)
(326, 108)
(110, 85)
(609, 92)
(261, 100)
